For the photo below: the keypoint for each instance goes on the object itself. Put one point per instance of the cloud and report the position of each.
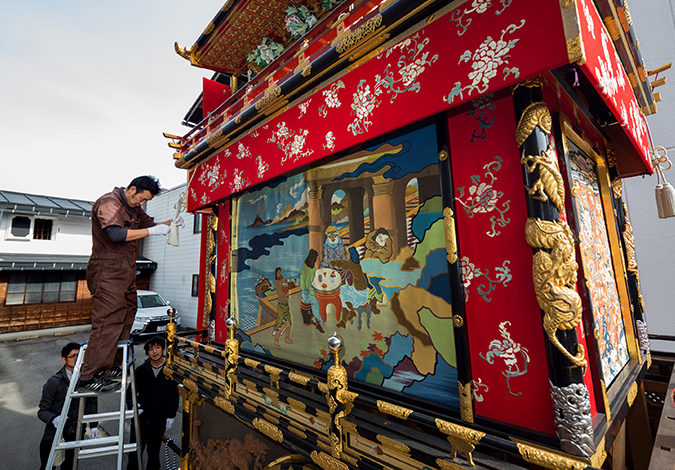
(87, 94)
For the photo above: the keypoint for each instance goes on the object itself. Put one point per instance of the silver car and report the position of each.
(151, 317)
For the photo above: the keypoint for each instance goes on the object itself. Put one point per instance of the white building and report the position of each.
(45, 243)
(176, 278)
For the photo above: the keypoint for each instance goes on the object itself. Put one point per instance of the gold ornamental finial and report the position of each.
(185, 53)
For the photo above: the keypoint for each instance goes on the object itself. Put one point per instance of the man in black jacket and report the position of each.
(157, 403)
(51, 405)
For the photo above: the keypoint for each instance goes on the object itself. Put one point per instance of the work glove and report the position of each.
(140, 410)
(169, 423)
(159, 229)
(178, 221)
(94, 433)
(56, 420)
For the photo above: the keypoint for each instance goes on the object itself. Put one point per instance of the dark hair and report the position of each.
(145, 183)
(310, 261)
(381, 231)
(65, 351)
(152, 341)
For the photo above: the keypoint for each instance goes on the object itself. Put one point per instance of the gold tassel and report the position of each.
(665, 193)
(665, 200)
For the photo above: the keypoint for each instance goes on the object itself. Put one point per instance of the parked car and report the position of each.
(152, 316)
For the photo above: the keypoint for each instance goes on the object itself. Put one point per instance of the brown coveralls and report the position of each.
(111, 278)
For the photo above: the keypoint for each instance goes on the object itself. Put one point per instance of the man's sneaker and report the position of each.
(98, 384)
(114, 374)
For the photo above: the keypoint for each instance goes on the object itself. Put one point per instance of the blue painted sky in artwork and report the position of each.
(420, 143)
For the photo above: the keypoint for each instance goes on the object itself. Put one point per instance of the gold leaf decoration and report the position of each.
(268, 429)
(393, 410)
(536, 114)
(550, 183)
(554, 275)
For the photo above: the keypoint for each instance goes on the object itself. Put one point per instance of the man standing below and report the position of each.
(51, 406)
(157, 403)
(118, 222)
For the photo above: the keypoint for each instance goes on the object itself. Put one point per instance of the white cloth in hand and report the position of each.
(169, 423)
(179, 221)
(159, 229)
(94, 433)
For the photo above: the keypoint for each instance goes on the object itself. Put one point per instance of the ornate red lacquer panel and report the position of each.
(604, 69)
(510, 379)
(455, 58)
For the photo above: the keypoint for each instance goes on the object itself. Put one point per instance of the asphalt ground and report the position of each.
(27, 360)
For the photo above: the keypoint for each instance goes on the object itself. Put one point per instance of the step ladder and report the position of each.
(111, 445)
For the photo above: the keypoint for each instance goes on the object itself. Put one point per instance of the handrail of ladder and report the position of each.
(96, 447)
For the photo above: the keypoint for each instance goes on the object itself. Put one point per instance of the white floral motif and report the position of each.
(290, 143)
(485, 63)
(330, 141)
(484, 198)
(239, 182)
(362, 107)
(609, 80)
(331, 98)
(262, 167)
(211, 174)
(477, 6)
(476, 386)
(243, 151)
(468, 271)
(481, 6)
(303, 107)
(589, 20)
(510, 352)
(411, 63)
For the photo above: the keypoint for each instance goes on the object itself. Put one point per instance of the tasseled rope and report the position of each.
(180, 206)
(665, 193)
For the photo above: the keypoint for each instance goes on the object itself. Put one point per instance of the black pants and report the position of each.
(151, 438)
(46, 447)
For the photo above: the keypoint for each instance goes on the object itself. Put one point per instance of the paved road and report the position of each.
(25, 365)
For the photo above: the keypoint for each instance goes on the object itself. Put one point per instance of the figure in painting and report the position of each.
(310, 304)
(378, 245)
(333, 248)
(283, 321)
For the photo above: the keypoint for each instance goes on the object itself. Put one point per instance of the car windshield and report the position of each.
(146, 301)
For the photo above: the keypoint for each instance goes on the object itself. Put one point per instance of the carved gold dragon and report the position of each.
(554, 267)
(554, 275)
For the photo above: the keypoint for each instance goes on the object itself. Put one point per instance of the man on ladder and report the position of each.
(117, 223)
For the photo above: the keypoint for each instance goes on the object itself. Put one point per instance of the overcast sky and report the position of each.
(87, 88)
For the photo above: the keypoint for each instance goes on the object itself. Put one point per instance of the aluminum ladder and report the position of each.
(111, 445)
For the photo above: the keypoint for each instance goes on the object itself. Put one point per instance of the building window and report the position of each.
(20, 226)
(42, 230)
(195, 285)
(197, 224)
(41, 287)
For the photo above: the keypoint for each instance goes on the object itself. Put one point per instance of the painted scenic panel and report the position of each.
(597, 263)
(354, 246)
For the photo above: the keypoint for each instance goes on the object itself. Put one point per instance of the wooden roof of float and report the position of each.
(238, 28)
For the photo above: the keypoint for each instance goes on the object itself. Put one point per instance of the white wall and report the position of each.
(175, 264)
(654, 25)
(70, 236)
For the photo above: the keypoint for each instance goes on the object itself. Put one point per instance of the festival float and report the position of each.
(415, 252)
